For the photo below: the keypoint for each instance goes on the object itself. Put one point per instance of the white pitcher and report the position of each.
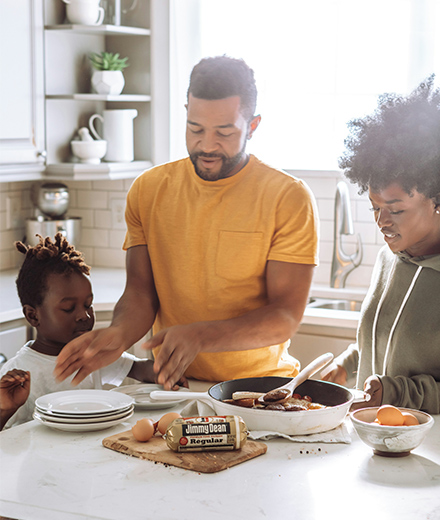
(84, 12)
(117, 130)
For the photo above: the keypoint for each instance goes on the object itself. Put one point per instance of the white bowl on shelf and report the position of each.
(89, 152)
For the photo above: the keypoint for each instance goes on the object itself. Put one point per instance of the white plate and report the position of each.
(82, 420)
(93, 416)
(141, 395)
(83, 402)
(88, 427)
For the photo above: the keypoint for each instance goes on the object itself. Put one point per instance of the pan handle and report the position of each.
(359, 396)
(171, 395)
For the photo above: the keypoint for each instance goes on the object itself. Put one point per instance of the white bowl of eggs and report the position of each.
(391, 431)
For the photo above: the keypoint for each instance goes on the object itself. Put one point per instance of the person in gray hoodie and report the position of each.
(394, 154)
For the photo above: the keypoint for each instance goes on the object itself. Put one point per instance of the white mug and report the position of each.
(84, 12)
(117, 130)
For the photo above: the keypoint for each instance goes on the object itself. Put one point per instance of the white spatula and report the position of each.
(287, 390)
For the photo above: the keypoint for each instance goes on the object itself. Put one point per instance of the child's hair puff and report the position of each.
(47, 257)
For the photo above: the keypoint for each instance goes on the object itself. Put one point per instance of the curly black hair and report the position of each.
(47, 257)
(399, 142)
(220, 77)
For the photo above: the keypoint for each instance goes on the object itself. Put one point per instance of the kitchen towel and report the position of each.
(339, 434)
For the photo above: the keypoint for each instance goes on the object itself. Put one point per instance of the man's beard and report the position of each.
(228, 164)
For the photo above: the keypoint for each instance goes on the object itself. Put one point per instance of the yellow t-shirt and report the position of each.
(209, 243)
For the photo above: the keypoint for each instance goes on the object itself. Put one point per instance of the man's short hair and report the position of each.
(221, 77)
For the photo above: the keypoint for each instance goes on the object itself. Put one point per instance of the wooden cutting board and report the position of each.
(157, 450)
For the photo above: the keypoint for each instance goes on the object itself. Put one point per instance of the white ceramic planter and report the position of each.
(108, 81)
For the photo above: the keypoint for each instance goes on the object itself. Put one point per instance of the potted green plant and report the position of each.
(108, 78)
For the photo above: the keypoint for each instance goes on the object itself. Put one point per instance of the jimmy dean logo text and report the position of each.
(206, 429)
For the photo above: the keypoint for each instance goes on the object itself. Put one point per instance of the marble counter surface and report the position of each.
(52, 475)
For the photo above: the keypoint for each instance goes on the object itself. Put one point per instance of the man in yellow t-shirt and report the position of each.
(220, 250)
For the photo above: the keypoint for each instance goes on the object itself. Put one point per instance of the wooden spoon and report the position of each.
(286, 391)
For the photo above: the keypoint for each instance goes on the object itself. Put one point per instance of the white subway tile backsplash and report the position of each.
(6, 260)
(87, 216)
(367, 232)
(98, 203)
(326, 229)
(326, 208)
(323, 188)
(116, 238)
(103, 219)
(92, 199)
(89, 254)
(95, 238)
(363, 211)
(116, 185)
(109, 257)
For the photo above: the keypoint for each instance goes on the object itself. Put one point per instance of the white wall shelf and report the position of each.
(104, 170)
(101, 97)
(100, 29)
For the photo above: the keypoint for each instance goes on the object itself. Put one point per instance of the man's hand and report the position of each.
(89, 352)
(372, 387)
(179, 347)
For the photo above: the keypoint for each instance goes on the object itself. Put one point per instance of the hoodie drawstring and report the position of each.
(376, 317)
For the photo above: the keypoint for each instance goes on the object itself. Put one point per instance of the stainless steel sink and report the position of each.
(337, 305)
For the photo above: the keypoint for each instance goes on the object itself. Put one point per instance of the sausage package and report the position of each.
(189, 434)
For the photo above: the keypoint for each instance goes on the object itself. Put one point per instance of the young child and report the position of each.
(56, 296)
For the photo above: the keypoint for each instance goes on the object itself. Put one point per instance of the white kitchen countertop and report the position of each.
(52, 475)
(108, 285)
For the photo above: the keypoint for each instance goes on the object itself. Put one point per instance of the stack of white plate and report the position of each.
(83, 410)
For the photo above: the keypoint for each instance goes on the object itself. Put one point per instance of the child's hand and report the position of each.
(15, 386)
(335, 374)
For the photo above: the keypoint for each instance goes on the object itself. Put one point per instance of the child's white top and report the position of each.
(41, 367)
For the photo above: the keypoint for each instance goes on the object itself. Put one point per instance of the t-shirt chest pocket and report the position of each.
(239, 254)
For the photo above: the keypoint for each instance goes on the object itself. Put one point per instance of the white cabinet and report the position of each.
(11, 341)
(69, 98)
(21, 88)
(55, 85)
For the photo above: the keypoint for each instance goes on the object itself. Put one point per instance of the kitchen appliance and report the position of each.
(51, 198)
(51, 202)
(117, 130)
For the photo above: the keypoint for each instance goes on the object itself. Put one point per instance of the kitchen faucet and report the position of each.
(342, 263)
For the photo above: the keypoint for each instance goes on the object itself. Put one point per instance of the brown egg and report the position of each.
(165, 420)
(409, 419)
(143, 430)
(389, 415)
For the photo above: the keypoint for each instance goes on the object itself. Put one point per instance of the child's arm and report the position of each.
(142, 370)
(15, 386)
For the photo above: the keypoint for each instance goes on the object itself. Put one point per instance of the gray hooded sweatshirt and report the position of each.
(398, 337)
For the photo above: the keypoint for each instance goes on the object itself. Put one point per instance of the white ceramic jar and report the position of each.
(84, 12)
